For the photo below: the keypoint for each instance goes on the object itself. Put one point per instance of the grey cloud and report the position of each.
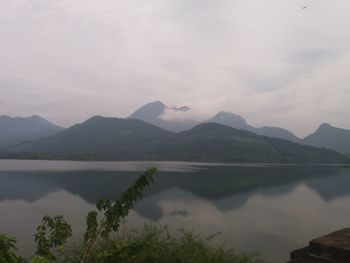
(311, 56)
(181, 108)
(264, 82)
(301, 64)
(70, 59)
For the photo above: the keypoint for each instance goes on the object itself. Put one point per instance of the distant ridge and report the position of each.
(152, 113)
(102, 138)
(330, 137)
(18, 130)
(326, 136)
(97, 138)
(15, 130)
(238, 122)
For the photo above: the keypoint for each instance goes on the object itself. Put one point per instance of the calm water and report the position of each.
(270, 209)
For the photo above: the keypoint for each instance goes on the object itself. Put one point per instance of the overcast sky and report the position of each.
(277, 63)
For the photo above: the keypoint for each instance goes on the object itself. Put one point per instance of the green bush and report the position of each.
(39, 259)
(8, 250)
(155, 244)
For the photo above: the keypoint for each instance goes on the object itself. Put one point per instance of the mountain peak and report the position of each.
(328, 136)
(96, 117)
(226, 114)
(156, 103)
(149, 111)
(230, 119)
(325, 125)
(36, 118)
(14, 130)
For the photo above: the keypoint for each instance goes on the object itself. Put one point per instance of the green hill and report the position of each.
(216, 142)
(96, 138)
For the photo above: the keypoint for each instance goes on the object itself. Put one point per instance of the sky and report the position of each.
(276, 63)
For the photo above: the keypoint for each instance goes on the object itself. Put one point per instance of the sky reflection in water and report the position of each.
(271, 209)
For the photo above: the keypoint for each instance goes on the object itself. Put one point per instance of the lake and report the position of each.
(272, 209)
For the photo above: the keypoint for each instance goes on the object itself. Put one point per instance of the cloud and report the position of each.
(270, 61)
(181, 108)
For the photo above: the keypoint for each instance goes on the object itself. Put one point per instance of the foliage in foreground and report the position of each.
(51, 234)
(113, 213)
(8, 250)
(152, 244)
(155, 244)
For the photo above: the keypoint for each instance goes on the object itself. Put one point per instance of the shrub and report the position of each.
(39, 259)
(8, 250)
(155, 244)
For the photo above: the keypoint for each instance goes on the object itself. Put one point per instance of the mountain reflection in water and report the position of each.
(256, 207)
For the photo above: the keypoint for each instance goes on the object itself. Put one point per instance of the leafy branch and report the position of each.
(52, 233)
(8, 250)
(113, 212)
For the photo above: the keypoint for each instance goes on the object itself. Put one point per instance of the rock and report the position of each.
(332, 248)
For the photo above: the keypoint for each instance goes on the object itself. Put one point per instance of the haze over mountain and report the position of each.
(129, 139)
(153, 112)
(330, 137)
(20, 129)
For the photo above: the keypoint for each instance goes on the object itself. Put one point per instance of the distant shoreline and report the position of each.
(193, 162)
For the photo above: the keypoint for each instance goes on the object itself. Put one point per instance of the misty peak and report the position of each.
(14, 130)
(229, 118)
(36, 118)
(328, 136)
(30, 119)
(95, 118)
(228, 115)
(156, 103)
(149, 111)
(325, 125)
(154, 113)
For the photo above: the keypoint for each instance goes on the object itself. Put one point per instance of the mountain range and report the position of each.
(145, 135)
(102, 138)
(153, 113)
(326, 135)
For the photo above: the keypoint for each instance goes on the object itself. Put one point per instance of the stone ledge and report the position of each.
(332, 248)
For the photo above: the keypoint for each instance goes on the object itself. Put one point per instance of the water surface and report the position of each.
(272, 209)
